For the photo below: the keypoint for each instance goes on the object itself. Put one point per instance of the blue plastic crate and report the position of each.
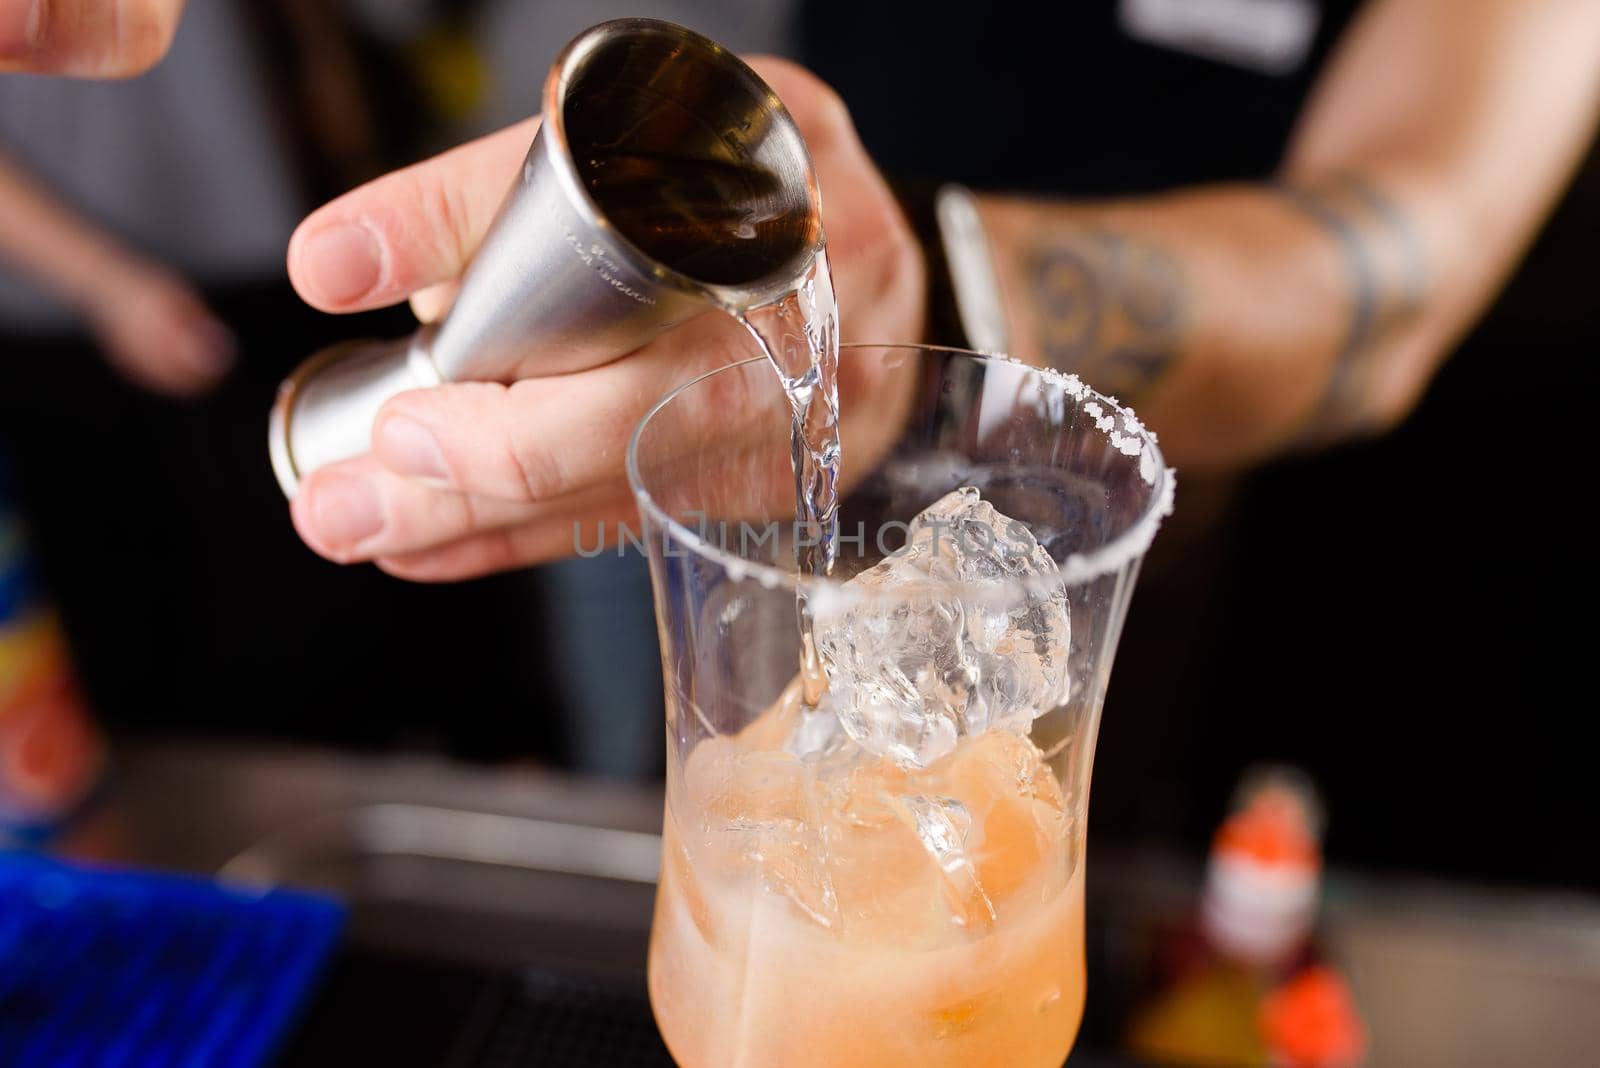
(104, 968)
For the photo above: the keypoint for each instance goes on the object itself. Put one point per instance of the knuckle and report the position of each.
(816, 106)
(527, 470)
(901, 254)
(418, 520)
(736, 394)
(831, 113)
(825, 120)
(469, 519)
(445, 208)
(534, 473)
(784, 75)
(907, 267)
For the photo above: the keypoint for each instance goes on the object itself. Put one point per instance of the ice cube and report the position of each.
(762, 811)
(964, 630)
(944, 826)
(865, 847)
(1021, 829)
(818, 734)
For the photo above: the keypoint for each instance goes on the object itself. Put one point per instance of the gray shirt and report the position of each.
(185, 163)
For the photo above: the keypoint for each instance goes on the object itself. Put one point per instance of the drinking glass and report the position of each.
(820, 904)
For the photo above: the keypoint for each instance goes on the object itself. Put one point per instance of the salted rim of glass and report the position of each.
(1131, 438)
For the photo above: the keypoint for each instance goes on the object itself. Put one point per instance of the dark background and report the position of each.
(1405, 618)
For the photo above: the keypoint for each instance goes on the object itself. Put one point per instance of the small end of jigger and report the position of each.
(325, 410)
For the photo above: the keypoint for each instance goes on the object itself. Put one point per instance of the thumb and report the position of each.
(406, 231)
(86, 38)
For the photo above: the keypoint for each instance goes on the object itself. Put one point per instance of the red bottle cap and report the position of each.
(1311, 1021)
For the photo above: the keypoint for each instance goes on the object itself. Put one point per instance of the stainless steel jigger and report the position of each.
(666, 177)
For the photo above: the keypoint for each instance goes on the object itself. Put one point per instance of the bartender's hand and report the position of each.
(476, 477)
(86, 38)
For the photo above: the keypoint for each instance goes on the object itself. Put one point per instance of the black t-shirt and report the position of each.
(1088, 97)
(1327, 624)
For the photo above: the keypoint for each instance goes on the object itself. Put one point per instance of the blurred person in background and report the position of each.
(1267, 223)
(145, 320)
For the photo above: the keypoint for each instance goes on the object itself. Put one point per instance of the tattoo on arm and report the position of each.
(1387, 275)
(1115, 308)
(1109, 307)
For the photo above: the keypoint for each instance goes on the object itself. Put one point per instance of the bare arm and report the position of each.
(48, 242)
(1247, 319)
(151, 325)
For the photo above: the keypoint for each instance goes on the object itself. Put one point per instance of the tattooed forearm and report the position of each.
(1109, 307)
(1242, 319)
(1388, 283)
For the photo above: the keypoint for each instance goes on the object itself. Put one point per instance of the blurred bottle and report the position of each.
(51, 754)
(1241, 985)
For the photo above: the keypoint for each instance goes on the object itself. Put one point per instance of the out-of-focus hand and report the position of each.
(86, 38)
(475, 477)
(155, 330)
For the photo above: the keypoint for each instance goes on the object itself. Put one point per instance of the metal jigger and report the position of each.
(665, 178)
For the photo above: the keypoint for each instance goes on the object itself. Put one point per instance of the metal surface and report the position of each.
(666, 178)
(392, 829)
(325, 409)
(493, 868)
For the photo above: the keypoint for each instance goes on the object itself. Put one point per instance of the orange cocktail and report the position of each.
(893, 875)
(803, 918)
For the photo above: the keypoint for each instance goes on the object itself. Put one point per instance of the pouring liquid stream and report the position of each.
(724, 220)
(799, 335)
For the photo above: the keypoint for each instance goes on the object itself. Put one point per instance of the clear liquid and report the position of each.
(800, 337)
(727, 221)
